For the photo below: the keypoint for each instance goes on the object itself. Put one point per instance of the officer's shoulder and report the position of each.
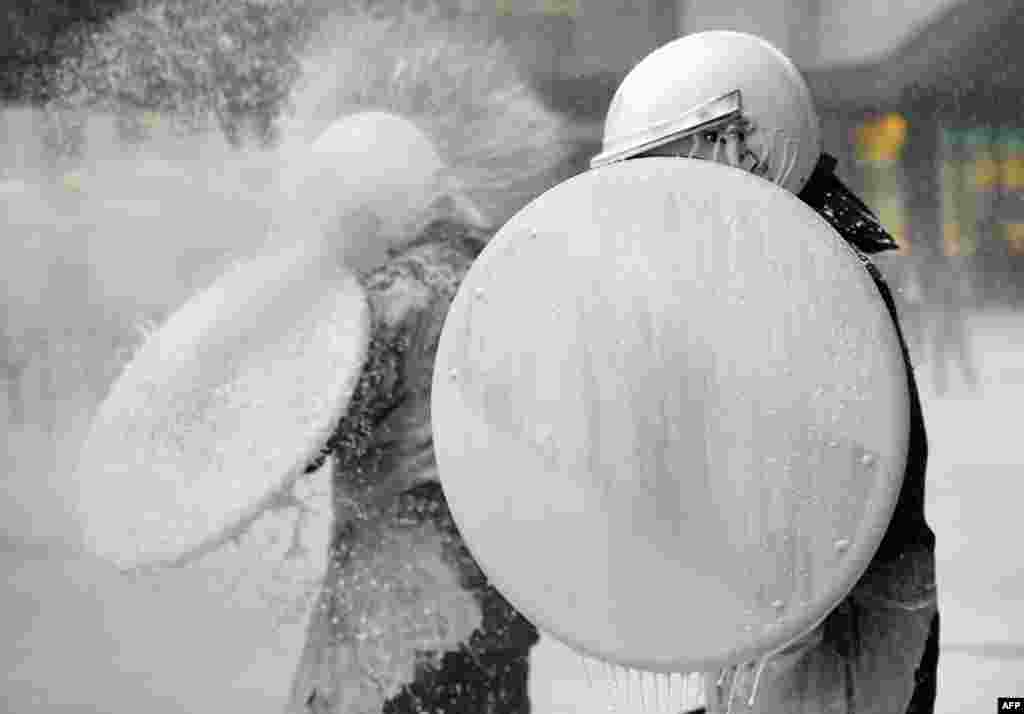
(446, 242)
(432, 264)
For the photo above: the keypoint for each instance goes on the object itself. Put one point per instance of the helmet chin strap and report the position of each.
(777, 162)
(790, 153)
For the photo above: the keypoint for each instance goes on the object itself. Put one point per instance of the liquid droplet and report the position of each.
(609, 681)
(453, 374)
(757, 680)
(842, 544)
(609, 671)
(677, 693)
(650, 691)
(868, 459)
(479, 293)
(634, 683)
(721, 677)
(778, 604)
(586, 671)
(660, 683)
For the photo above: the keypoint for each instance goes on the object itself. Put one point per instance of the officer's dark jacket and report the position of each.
(877, 651)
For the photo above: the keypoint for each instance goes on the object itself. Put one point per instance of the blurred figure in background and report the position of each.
(948, 297)
(910, 300)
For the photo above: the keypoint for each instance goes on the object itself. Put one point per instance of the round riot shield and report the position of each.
(670, 414)
(214, 421)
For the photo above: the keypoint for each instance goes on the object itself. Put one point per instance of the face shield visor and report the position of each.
(717, 130)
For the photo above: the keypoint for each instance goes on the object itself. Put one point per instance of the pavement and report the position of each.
(975, 505)
(77, 637)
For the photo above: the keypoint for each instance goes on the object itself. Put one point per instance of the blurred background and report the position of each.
(111, 221)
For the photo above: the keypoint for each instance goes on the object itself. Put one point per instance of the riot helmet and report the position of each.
(375, 178)
(725, 96)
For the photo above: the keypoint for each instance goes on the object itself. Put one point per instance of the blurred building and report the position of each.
(920, 101)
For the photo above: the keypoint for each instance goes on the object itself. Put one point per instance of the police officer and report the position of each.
(406, 622)
(734, 98)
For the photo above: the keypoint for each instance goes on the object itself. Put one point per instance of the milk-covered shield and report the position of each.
(670, 414)
(194, 473)
(213, 422)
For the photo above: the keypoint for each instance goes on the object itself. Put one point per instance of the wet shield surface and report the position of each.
(211, 425)
(670, 414)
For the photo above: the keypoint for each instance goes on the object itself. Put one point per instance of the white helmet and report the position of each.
(378, 169)
(371, 159)
(711, 81)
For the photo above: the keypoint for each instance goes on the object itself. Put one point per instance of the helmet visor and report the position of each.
(713, 114)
